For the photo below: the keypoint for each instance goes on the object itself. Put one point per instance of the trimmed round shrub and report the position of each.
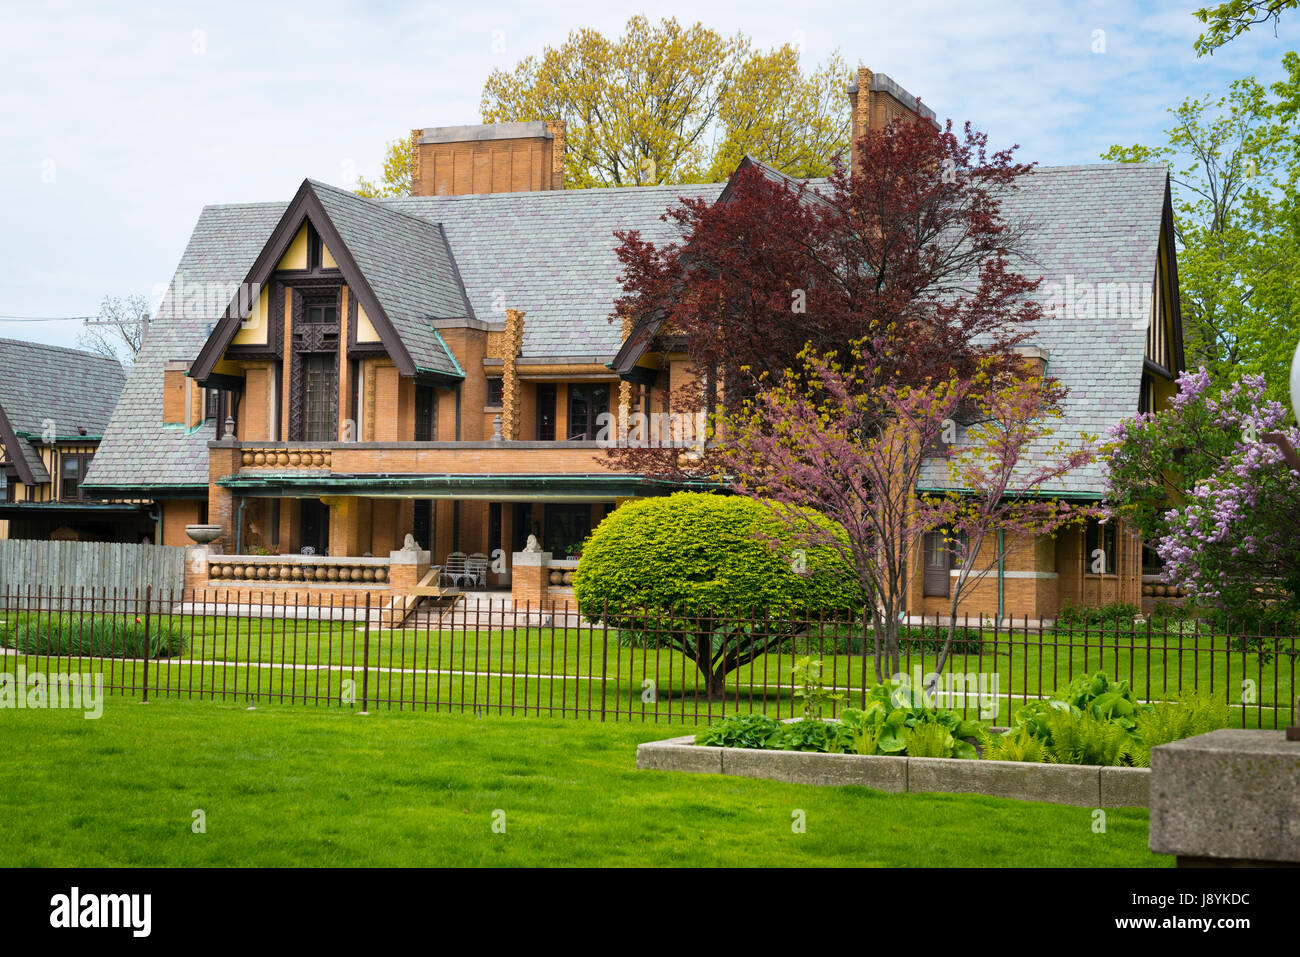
(720, 578)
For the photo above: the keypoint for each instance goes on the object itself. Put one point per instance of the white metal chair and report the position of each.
(453, 570)
(476, 568)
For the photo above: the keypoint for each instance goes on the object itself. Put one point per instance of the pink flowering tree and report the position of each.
(1215, 497)
(1001, 476)
(815, 440)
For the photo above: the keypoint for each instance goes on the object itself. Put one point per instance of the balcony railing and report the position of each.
(297, 570)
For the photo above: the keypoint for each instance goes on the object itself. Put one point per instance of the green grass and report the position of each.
(285, 786)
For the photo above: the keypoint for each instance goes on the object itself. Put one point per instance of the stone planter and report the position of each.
(1074, 784)
(203, 534)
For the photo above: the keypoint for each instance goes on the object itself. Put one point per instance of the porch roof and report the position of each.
(589, 487)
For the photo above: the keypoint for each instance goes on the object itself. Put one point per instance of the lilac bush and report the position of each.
(1217, 501)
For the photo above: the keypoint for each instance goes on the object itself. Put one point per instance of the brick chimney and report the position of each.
(496, 158)
(875, 101)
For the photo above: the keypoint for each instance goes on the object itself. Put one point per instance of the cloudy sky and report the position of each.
(118, 122)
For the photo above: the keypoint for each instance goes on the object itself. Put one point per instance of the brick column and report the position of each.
(530, 578)
(223, 461)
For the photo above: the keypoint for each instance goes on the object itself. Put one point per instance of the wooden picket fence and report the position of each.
(40, 567)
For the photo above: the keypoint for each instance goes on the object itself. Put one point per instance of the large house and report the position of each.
(331, 374)
(55, 403)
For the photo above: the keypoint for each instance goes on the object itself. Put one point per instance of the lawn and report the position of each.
(285, 786)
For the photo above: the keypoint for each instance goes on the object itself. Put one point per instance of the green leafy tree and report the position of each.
(665, 103)
(1236, 170)
(1229, 20)
(692, 571)
(396, 178)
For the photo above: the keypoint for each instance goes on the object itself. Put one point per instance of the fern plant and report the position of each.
(1079, 737)
(1015, 747)
(1192, 714)
(929, 739)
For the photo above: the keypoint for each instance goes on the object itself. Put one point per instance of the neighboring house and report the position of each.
(333, 373)
(55, 403)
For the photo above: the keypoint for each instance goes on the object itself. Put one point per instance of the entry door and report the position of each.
(316, 526)
(938, 562)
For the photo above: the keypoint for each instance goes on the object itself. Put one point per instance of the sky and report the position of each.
(119, 122)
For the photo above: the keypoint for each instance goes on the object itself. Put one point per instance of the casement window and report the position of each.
(545, 412)
(938, 562)
(495, 391)
(6, 486)
(72, 473)
(211, 404)
(426, 414)
(587, 402)
(320, 397)
(322, 315)
(1099, 548)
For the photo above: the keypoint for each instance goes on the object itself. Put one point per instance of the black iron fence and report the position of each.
(661, 665)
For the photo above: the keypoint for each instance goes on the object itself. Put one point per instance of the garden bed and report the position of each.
(1073, 784)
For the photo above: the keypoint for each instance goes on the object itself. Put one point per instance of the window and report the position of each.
(586, 404)
(211, 401)
(322, 315)
(1099, 538)
(73, 472)
(495, 390)
(567, 527)
(546, 413)
(1147, 395)
(321, 383)
(426, 414)
(6, 487)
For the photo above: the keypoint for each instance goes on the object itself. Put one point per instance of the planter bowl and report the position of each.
(203, 534)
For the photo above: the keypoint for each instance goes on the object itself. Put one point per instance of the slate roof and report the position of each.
(137, 448)
(69, 389)
(551, 254)
(410, 270)
(1092, 225)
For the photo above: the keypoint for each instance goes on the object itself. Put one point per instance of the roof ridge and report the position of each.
(49, 345)
(375, 202)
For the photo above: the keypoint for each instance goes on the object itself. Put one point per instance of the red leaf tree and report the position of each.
(910, 255)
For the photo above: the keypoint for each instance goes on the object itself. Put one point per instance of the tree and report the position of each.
(1230, 20)
(910, 256)
(1217, 499)
(1000, 474)
(665, 103)
(692, 571)
(1236, 169)
(119, 329)
(814, 443)
(396, 178)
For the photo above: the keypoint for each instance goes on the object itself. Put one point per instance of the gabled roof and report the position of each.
(551, 254)
(52, 389)
(397, 266)
(138, 449)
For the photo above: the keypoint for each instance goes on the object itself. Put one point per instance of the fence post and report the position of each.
(604, 658)
(365, 657)
(148, 594)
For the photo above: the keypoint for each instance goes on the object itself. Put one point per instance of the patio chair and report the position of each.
(476, 567)
(453, 570)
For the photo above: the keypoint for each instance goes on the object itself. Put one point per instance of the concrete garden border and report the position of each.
(1074, 784)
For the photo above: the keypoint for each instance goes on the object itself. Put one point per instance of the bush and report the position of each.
(740, 731)
(1080, 737)
(100, 637)
(689, 571)
(696, 552)
(1013, 746)
(1115, 616)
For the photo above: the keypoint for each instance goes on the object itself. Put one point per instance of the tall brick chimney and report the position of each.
(875, 100)
(496, 158)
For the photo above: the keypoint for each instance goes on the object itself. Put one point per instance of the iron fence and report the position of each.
(487, 658)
